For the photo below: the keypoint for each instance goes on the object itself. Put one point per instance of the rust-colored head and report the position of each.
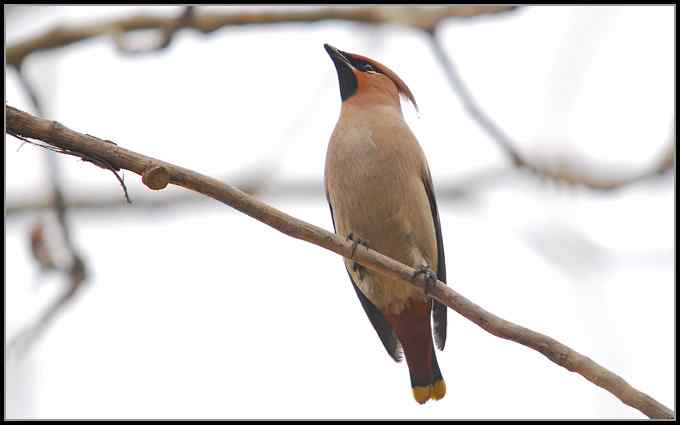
(366, 78)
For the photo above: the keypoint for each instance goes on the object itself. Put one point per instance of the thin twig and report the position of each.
(59, 203)
(51, 132)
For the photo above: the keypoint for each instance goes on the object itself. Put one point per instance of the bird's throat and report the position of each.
(347, 79)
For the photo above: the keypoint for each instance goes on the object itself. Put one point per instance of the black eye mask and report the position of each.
(359, 64)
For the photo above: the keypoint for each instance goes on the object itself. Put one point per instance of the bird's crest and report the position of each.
(403, 89)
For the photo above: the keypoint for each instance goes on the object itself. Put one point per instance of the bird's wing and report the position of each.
(438, 309)
(387, 335)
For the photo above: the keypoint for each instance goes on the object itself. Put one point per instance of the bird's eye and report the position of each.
(367, 68)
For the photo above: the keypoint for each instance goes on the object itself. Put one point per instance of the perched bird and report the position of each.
(380, 192)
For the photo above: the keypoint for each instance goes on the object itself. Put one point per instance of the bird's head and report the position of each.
(365, 80)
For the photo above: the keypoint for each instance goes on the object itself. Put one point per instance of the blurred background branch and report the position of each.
(461, 190)
(73, 267)
(21, 343)
(567, 171)
(167, 34)
(422, 17)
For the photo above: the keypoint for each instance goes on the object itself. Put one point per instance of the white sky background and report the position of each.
(203, 312)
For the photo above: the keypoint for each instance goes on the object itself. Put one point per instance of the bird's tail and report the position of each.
(413, 329)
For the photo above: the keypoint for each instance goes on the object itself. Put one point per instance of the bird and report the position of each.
(380, 193)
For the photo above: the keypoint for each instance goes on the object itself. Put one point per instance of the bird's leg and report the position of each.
(360, 269)
(356, 242)
(430, 277)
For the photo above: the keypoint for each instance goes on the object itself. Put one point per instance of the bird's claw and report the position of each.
(356, 242)
(430, 277)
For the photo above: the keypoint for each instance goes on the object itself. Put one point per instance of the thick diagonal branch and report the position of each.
(158, 173)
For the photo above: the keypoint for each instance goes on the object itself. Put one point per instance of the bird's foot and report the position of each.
(355, 243)
(430, 277)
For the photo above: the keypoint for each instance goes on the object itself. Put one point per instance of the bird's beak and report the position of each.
(346, 78)
(338, 58)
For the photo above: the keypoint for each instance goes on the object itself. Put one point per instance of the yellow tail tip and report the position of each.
(438, 390)
(422, 394)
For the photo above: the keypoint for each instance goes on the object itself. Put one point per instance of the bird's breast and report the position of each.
(373, 178)
(367, 178)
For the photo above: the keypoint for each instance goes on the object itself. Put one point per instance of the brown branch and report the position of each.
(418, 17)
(566, 174)
(51, 132)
